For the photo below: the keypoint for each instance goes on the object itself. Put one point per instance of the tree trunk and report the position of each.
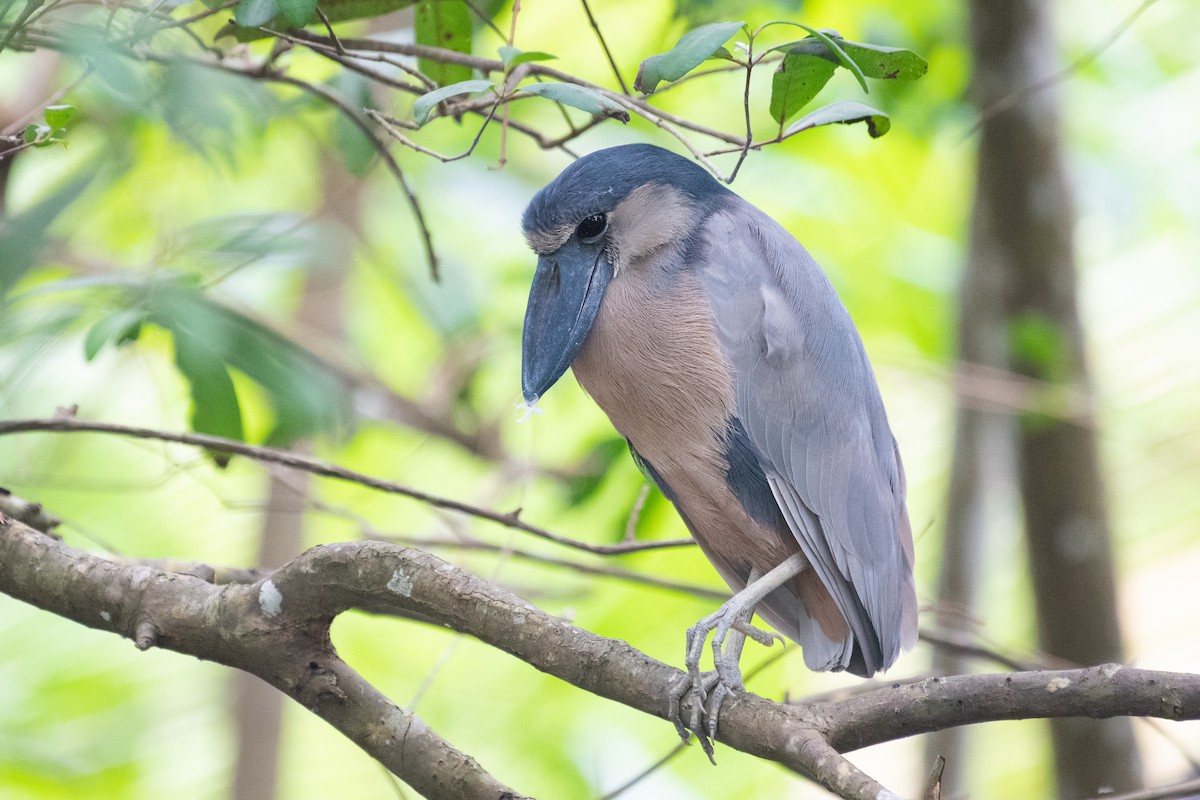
(259, 706)
(322, 310)
(1022, 227)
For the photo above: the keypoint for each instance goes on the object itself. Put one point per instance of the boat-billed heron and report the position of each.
(719, 350)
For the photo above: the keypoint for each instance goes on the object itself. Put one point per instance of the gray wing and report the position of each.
(807, 398)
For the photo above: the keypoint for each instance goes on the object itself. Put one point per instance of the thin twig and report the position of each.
(505, 116)
(30, 7)
(537, 558)
(487, 65)
(348, 60)
(391, 125)
(646, 773)
(746, 106)
(971, 646)
(484, 18)
(197, 17)
(324, 468)
(17, 145)
(350, 63)
(329, 29)
(275, 76)
(380, 148)
(662, 123)
(635, 513)
(612, 62)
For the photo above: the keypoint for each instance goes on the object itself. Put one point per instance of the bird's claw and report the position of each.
(730, 626)
(765, 638)
(698, 687)
(709, 690)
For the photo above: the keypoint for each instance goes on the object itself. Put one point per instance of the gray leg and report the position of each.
(730, 626)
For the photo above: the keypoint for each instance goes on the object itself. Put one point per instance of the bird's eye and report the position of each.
(592, 228)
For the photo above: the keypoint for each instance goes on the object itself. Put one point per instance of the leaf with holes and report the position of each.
(587, 100)
(832, 40)
(885, 63)
(874, 61)
(688, 53)
(423, 106)
(844, 112)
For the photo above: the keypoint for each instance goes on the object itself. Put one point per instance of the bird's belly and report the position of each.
(653, 364)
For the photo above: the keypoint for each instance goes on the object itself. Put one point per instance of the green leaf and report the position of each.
(253, 13)
(832, 40)
(21, 235)
(335, 11)
(124, 77)
(885, 63)
(215, 408)
(445, 24)
(423, 106)
(875, 61)
(344, 10)
(307, 398)
(511, 56)
(797, 80)
(687, 54)
(844, 112)
(120, 328)
(578, 97)
(353, 145)
(59, 116)
(297, 12)
(34, 133)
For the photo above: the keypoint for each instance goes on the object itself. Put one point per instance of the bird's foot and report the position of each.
(698, 686)
(730, 626)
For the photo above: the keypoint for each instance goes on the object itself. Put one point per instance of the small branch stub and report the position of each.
(145, 635)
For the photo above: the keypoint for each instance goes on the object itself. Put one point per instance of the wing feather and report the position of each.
(807, 398)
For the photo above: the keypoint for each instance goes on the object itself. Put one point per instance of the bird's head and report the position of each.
(607, 213)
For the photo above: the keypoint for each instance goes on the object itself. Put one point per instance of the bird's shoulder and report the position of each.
(777, 316)
(804, 388)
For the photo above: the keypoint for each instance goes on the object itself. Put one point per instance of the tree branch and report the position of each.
(1102, 692)
(277, 628)
(248, 627)
(316, 466)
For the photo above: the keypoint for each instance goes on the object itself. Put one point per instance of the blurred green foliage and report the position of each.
(200, 230)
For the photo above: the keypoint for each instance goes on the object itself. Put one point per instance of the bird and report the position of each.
(719, 350)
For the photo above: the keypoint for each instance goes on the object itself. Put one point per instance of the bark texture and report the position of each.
(277, 628)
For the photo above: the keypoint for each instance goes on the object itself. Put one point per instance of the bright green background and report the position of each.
(84, 714)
